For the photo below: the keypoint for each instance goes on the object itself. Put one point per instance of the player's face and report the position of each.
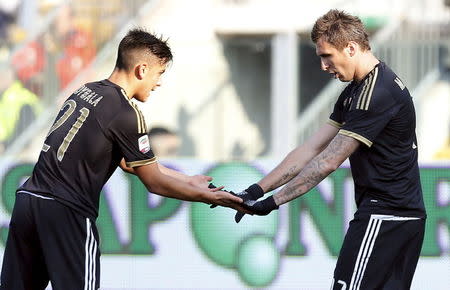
(150, 79)
(336, 62)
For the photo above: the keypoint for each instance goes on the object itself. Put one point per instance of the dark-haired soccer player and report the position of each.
(52, 234)
(373, 124)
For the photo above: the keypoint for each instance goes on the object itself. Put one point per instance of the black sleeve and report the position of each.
(337, 116)
(130, 134)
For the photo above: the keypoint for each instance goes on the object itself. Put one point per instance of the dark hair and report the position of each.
(338, 28)
(139, 43)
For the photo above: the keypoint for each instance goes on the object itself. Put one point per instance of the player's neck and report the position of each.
(366, 64)
(122, 79)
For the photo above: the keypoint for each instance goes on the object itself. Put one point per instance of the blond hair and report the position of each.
(338, 28)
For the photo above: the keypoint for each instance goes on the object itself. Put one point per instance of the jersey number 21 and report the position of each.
(71, 104)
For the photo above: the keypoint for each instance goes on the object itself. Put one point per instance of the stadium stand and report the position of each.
(52, 55)
(411, 40)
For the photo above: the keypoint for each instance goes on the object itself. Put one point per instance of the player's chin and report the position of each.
(143, 98)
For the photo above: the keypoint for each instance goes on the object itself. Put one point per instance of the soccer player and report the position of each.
(52, 233)
(373, 123)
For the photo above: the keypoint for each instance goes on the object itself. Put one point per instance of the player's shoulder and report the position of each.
(114, 107)
(117, 102)
(364, 92)
(129, 116)
(382, 88)
(133, 116)
(391, 86)
(388, 80)
(107, 89)
(98, 95)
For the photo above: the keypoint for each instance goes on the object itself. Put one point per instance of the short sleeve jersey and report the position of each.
(97, 126)
(379, 112)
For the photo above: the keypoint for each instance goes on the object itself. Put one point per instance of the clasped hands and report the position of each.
(251, 203)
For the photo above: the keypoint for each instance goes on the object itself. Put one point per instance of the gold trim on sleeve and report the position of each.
(334, 123)
(358, 137)
(141, 162)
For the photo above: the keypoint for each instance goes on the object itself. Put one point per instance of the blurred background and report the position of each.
(245, 81)
(244, 89)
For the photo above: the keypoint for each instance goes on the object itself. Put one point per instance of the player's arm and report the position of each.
(126, 168)
(197, 180)
(339, 149)
(168, 186)
(296, 160)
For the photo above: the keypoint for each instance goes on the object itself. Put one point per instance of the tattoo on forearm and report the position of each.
(288, 176)
(309, 177)
(284, 178)
(339, 149)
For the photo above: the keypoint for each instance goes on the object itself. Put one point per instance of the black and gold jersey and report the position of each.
(97, 126)
(379, 112)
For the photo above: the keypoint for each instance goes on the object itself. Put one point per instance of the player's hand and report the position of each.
(213, 188)
(253, 192)
(228, 199)
(261, 207)
(200, 180)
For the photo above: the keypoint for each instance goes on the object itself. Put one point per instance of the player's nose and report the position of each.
(323, 65)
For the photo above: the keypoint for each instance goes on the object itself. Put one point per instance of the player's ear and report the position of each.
(140, 70)
(351, 48)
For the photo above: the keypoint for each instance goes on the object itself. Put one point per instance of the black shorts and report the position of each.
(48, 241)
(379, 252)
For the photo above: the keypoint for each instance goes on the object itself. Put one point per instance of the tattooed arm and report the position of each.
(298, 158)
(339, 149)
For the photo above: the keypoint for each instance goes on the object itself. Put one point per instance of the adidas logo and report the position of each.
(414, 146)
